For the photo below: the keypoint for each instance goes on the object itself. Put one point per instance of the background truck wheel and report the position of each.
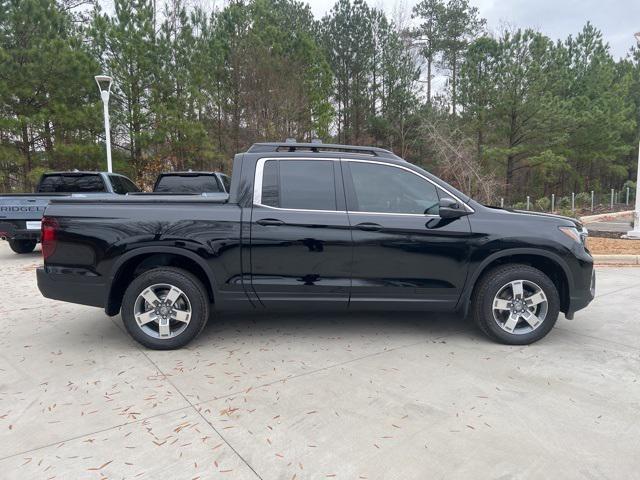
(22, 246)
(515, 304)
(165, 308)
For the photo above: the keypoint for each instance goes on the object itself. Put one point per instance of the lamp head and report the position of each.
(104, 83)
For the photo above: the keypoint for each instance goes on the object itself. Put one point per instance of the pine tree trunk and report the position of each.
(509, 187)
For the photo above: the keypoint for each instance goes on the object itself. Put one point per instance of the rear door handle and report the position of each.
(369, 227)
(270, 222)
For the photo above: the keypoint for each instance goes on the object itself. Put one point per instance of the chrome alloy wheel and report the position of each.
(162, 311)
(520, 307)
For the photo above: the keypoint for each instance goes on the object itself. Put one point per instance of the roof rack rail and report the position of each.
(289, 146)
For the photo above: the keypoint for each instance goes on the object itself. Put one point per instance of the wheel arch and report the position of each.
(132, 264)
(547, 262)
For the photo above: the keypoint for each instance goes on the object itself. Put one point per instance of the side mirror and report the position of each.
(450, 208)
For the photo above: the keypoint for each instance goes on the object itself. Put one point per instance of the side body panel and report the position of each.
(498, 234)
(411, 262)
(95, 242)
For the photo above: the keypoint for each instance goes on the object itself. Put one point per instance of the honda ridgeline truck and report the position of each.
(315, 226)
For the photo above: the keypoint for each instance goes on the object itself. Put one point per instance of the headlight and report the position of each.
(573, 233)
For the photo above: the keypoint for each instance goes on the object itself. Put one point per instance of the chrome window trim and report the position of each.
(258, 178)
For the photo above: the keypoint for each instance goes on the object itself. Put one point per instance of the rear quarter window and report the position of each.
(122, 185)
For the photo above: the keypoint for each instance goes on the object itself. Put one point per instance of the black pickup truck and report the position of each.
(20, 213)
(315, 226)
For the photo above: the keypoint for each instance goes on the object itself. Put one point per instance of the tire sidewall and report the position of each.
(499, 280)
(189, 285)
(22, 246)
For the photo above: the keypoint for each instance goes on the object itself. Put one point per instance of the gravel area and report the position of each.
(613, 246)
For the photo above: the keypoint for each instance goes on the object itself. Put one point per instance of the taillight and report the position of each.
(48, 236)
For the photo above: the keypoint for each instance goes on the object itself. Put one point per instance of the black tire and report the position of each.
(22, 246)
(489, 286)
(192, 288)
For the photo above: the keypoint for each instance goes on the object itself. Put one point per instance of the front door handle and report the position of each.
(369, 227)
(270, 222)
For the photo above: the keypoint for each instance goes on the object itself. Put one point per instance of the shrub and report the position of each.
(520, 206)
(543, 204)
(583, 200)
(565, 212)
(563, 203)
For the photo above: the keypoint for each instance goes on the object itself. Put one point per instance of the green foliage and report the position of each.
(583, 200)
(563, 203)
(46, 86)
(520, 113)
(543, 204)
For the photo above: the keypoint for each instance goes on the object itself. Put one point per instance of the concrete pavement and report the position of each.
(370, 396)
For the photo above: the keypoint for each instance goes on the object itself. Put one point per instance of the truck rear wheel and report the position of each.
(165, 308)
(22, 246)
(515, 304)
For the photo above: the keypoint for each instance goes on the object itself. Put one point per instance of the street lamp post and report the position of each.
(104, 84)
(635, 233)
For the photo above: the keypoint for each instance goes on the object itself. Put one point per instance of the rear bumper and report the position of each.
(17, 230)
(72, 287)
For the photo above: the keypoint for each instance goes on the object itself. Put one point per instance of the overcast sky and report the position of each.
(617, 19)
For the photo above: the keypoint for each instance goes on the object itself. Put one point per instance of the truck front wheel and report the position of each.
(515, 304)
(22, 246)
(165, 308)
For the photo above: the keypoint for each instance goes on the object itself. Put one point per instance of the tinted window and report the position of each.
(386, 189)
(270, 192)
(299, 184)
(226, 181)
(122, 185)
(187, 184)
(71, 184)
(129, 185)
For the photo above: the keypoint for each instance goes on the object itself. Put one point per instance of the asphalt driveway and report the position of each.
(358, 396)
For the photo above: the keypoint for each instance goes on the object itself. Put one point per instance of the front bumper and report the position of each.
(72, 287)
(582, 297)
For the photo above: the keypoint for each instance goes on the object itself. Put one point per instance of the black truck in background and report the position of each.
(20, 213)
(191, 182)
(315, 226)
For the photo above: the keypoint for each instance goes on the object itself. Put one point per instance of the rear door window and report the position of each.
(84, 183)
(299, 184)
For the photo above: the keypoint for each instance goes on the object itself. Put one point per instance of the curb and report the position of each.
(605, 216)
(616, 259)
